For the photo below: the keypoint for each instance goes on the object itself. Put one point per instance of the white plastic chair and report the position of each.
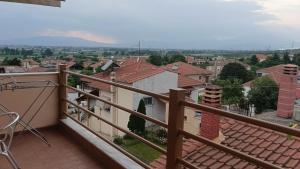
(8, 123)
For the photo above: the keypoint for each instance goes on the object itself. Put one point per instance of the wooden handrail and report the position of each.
(110, 143)
(154, 146)
(246, 119)
(229, 150)
(163, 97)
(175, 125)
(160, 123)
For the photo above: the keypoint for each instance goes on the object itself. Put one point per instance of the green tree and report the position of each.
(155, 60)
(12, 62)
(263, 94)
(232, 91)
(235, 71)
(296, 59)
(286, 58)
(73, 80)
(137, 124)
(177, 58)
(47, 52)
(253, 60)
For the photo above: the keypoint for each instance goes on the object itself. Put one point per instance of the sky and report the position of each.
(183, 24)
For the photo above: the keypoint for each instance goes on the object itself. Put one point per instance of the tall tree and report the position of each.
(47, 52)
(232, 91)
(286, 58)
(177, 58)
(135, 123)
(253, 60)
(235, 71)
(263, 94)
(155, 60)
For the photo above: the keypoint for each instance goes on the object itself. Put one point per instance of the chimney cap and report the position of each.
(213, 87)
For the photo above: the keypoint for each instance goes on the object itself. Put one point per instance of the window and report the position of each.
(148, 101)
(198, 114)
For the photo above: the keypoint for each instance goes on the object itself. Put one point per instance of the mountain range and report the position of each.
(53, 41)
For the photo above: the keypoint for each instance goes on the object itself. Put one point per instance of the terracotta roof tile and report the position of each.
(186, 69)
(185, 82)
(292, 163)
(126, 74)
(258, 142)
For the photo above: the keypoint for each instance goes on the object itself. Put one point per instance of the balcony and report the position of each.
(63, 140)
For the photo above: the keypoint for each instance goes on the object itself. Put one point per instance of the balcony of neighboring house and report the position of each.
(57, 136)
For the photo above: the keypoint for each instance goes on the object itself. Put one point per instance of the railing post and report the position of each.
(175, 122)
(62, 90)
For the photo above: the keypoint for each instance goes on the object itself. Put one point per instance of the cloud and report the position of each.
(286, 12)
(81, 35)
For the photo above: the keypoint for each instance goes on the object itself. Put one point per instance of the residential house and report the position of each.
(218, 63)
(12, 69)
(191, 78)
(29, 63)
(261, 57)
(273, 72)
(267, 145)
(138, 74)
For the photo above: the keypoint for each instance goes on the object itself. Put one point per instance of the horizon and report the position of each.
(189, 25)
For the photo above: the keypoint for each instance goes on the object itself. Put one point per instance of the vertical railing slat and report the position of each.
(62, 90)
(175, 122)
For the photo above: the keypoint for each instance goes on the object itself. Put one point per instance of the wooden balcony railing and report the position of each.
(174, 126)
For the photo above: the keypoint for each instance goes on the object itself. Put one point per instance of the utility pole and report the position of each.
(139, 48)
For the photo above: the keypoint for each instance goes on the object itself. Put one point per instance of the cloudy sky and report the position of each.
(189, 24)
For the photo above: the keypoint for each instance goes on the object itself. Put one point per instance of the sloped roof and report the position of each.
(184, 82)
(261, 57)
(127, 74)
(186, 69)
(273, 72)
(31, 61)
(258, 142)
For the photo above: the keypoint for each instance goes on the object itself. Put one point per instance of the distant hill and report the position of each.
(53, 41)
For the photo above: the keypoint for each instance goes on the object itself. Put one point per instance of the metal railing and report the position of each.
(174, 127)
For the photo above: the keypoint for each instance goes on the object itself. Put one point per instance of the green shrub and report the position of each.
(118, 140)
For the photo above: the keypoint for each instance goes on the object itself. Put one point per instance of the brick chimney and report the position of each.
(210, 123)
(287, 91)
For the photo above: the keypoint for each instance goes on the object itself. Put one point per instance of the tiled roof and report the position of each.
(184, 82)
(39, 69)
(96, 65)
(127, 74)
(31, 61)
(186, 69)
(268, 145)
(273, 72)
(261, 57)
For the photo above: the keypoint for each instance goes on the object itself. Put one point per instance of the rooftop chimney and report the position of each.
(210, 123)
(287, 91)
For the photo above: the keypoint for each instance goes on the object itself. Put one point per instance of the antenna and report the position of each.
(139, 48)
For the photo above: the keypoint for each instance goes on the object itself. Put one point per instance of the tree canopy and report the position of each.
(263, 94)
(235, 71)
(47, 52)
(253, 60)
(12, 62)
(135, 123)
(232, 91)
(155, 60)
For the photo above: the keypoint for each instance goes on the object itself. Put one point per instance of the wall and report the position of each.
(19, 100)
(124, 98)
(159, 83)
(191, 123)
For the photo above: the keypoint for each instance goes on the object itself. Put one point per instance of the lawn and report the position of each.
(140, 150)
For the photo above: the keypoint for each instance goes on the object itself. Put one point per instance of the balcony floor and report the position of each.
(64, 153)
